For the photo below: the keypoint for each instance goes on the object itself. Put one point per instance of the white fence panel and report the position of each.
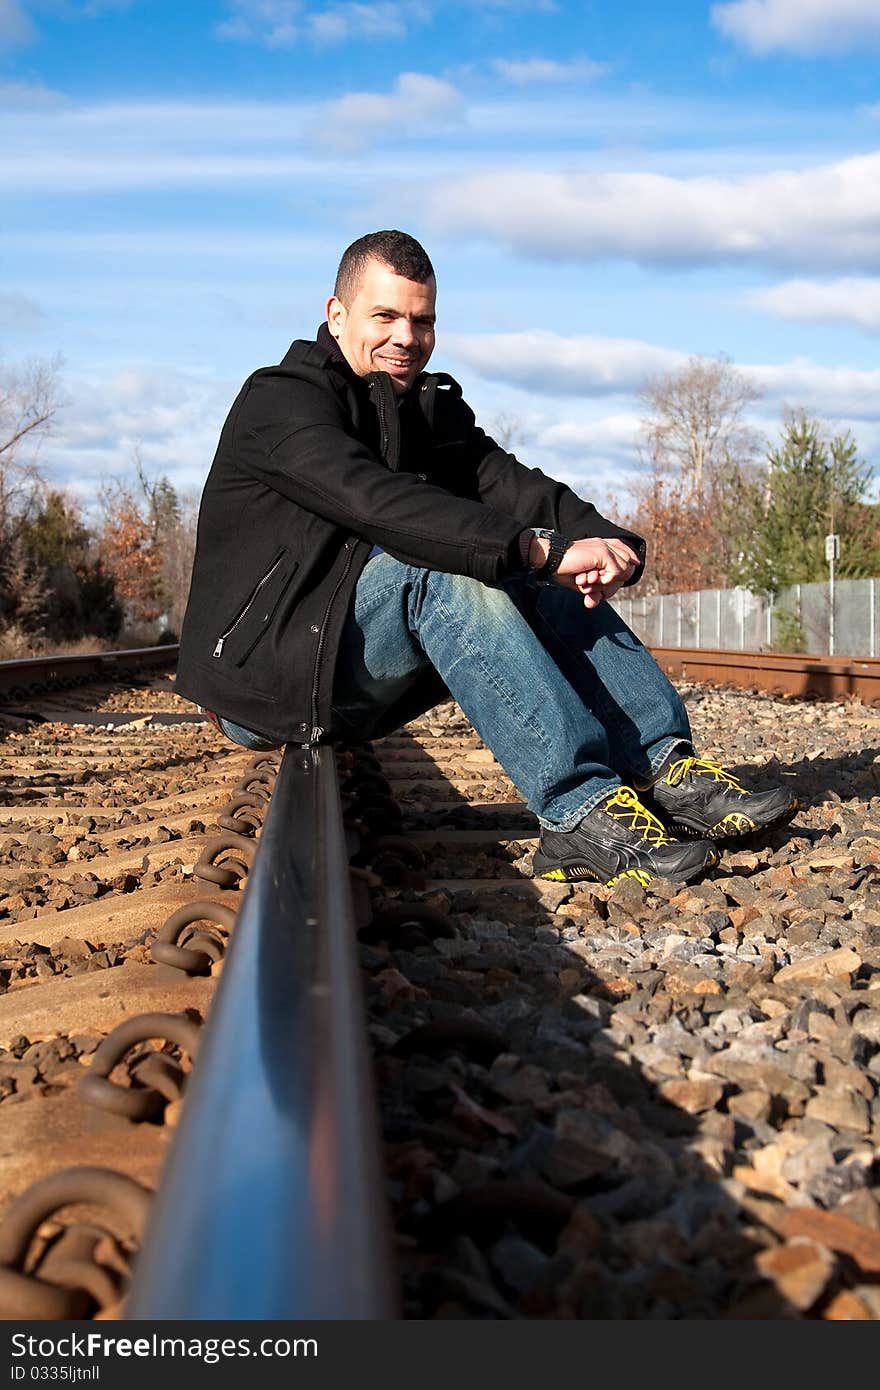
(798, 619)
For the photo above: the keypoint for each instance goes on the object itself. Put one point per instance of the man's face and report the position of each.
(388, 326)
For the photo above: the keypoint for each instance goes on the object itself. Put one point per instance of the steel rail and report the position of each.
(272, 1202)
(25, 674)
(819, 677)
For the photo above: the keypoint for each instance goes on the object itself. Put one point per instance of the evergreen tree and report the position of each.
(78, 594)
(813, 487)
(56, 534)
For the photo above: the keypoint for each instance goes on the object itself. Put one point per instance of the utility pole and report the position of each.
(832, 553)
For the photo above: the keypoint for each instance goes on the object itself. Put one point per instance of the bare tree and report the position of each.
(695, 425)
(28, 405)
(177, 560)
(700, 452)
(506, 430)
(148, 542)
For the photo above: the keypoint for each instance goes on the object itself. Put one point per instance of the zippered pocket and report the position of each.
(249, 603)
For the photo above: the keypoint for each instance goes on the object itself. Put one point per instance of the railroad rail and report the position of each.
(805, 677)
(27, 676)
(593, 1102)
(301, 1232)
(798, 675)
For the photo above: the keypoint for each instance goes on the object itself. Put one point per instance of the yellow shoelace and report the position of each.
(625, 805)
(702, 767)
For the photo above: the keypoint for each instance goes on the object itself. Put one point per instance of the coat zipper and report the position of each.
(224, 636)
(317, 731)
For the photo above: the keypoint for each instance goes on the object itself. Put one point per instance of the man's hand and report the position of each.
(596, 568)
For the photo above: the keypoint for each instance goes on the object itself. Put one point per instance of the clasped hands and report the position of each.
(596, 568)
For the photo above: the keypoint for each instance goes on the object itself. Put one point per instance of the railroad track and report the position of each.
(592, 1102)
(806, 677)
(779, 673)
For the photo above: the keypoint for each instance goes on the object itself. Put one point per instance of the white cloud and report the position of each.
(28, 96)
(823, 216)
(799, 26)
(15, 27)
(610, 432)
(845, 301)
(416, 104)
(19, 312)
(89, 8)
(64, 147)
(82, 148)
(832, 392)
(546, 6)
(547, 363)
(274, 23)
(52, 142)
(282, 23)
(353, 21)
(533, 70)
(182, 245)
(173, 418)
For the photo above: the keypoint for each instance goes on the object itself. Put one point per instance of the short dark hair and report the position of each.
(398, 250)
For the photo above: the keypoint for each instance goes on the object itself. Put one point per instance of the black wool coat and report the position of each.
(314, 466)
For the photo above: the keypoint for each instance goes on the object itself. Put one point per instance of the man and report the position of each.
(364, 549)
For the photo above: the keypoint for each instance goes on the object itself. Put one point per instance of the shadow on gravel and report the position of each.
(536, 1170)
(852, 777)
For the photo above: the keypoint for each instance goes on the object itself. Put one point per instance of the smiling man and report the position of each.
(364, 548)
(382, 321)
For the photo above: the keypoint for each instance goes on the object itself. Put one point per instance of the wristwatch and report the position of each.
(558, 546)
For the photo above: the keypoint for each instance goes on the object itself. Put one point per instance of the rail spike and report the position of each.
(243, 813)
(256, 784)
(228, 874)
(194, 961)
(69, 1290)
(143, 1102)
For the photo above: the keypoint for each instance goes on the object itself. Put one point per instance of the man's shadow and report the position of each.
(548, 1157)
(847, 777)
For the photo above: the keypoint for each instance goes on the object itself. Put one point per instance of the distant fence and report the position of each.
(812, 618)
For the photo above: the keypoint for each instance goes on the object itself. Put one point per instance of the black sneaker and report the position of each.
(695, 796)
(621, 838)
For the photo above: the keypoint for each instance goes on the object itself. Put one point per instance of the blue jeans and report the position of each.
(566, 697)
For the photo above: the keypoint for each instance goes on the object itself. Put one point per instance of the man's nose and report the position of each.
(403, 333)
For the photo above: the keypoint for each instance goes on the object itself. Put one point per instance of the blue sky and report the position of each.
(605, 190)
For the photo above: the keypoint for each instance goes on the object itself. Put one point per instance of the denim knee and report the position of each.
(246, 738)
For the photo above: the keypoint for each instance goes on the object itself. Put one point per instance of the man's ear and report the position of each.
(336, 314)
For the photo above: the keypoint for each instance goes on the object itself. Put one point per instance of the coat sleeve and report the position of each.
(540, 500)
(310, 454)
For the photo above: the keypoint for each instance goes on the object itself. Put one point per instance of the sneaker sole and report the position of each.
(734, 826)
(578, 872)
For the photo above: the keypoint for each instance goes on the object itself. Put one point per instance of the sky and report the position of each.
(605, 188)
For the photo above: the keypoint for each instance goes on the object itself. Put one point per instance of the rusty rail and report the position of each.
(272, 1198)
(23, 677)
(816, 677)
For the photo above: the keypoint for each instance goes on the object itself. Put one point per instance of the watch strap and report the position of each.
(559, 544)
